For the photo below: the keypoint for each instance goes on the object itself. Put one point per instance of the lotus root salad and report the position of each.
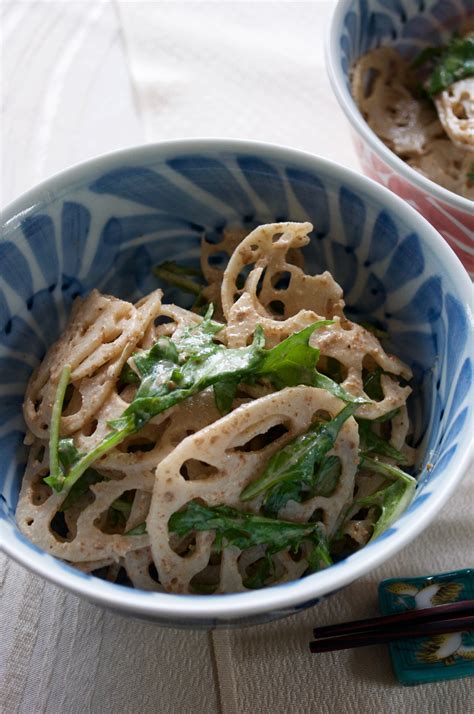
(424, 110)
(251, 440)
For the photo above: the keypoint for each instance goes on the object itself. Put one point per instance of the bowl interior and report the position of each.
(105, 224)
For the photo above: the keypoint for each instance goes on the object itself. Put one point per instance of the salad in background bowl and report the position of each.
(404, 75)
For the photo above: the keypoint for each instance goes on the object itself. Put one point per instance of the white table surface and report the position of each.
(76, 82)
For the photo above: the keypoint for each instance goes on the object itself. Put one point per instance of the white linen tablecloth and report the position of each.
(82, 78)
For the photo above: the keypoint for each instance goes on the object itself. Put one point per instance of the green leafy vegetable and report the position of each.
(244, 530)
(448, 64)
(324, 382)
(128, 375)
(260, 573)
(373, 384)
(137, 531)
(180, 276)
(175, 369)
(56, 476)
(172, 372)
(327, 476)
(387, 470)
(292, 472)
(75, 473)
(68, 454)
(122, 506)
(388, 416)
(224, 394)
(80, 487)
(278, 496)
(426, 55)
(293, 361)
(372, 443)
(391, 501)
(470, 174)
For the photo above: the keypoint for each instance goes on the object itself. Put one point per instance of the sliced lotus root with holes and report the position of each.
(95, 430)
(348, 343)
(232, 452)
(163, 433)
(214, 271)
(382, 89)
(101, 334)
(150, 308)
(285, 567)
(446, 164)
(234, 567)
(276, 293)
(138, 564)
(455, 107)
(400, 429)
(143, 451)
(360, 529)
(353, 346)
(265, 250)
(90, 566)
(223, 250)
(139, 510)
(177, 319)
(246, 314)
(86, 541)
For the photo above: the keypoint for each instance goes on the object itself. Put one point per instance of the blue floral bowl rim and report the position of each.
(338, 83)
(189, 608)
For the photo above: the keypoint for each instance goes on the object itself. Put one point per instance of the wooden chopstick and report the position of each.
(423, 629)
(441, 619)
(427, 613)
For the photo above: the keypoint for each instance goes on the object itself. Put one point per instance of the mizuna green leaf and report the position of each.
(447, 64)
(180, 276)
(56, 476)
(387, 470)
(292, 472)
(391, 501)
(244, 530)
(372, 443)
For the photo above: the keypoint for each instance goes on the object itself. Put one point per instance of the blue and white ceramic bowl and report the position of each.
(105, 223)
(358, 26)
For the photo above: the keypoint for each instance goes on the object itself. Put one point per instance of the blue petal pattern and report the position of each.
(311, 193)
(384, 237)
(75, 225)
(407, 263)
(15, 269)
(267, 184)
(353, 214)
(150, 188)
(17, 335)
(426, 304)
(39, 230)
(53, 256)
(213, 176)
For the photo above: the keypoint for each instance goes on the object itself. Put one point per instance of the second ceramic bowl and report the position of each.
(358, 26)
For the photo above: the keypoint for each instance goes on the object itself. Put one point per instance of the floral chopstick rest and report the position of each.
(436, 657)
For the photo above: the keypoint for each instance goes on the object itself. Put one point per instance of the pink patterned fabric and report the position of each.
(455, 225)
